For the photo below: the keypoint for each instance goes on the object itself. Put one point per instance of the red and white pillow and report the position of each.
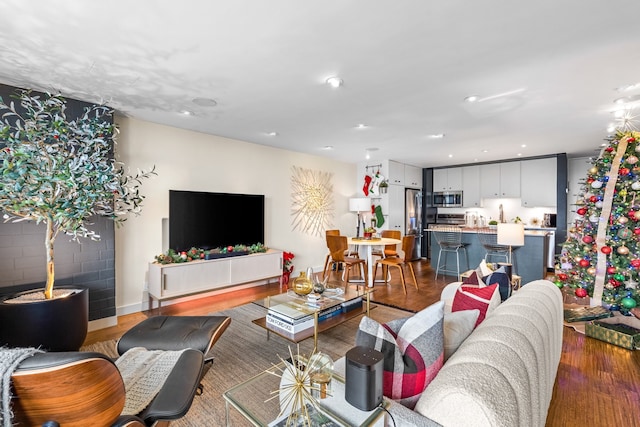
(413, 351)
(470, 297)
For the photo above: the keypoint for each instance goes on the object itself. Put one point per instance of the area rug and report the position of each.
(244, 351)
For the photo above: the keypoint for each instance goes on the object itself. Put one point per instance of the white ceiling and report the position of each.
(547, 70)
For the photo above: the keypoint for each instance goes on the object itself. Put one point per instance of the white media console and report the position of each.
(169, 281)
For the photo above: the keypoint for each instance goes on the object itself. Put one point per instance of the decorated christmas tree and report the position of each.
(601, 256)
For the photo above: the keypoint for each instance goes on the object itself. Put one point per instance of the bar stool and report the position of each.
(489, 240)
(450, 241)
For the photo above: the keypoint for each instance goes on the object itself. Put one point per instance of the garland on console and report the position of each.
(194, 254)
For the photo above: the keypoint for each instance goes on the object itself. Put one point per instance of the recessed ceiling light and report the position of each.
(334, 82)
(450, 155)
(485, 151)
(186, 113)
(472, 98)
(273, 134)
(205, 102)
(436, 135)
(328, 147)
(361, 126)
(519, 154)
(523, 145)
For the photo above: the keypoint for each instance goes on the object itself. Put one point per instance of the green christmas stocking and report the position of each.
(379, 217)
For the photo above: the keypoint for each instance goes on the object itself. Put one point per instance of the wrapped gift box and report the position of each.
(615, 333)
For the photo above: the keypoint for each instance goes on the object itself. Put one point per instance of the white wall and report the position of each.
(188, 160)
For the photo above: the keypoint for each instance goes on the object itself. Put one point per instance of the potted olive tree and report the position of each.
(61, 173)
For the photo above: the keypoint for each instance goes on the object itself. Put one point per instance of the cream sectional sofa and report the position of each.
(503, 373)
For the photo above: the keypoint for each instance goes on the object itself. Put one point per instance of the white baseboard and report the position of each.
(105, 322)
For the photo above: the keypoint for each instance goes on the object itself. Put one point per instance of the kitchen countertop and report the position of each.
(527, 231)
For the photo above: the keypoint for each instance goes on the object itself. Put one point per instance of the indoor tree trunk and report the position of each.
(49, 240)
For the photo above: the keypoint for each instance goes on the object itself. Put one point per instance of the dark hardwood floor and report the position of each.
(598, 384)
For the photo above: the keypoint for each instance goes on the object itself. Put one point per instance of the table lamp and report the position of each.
(510, 234)
(359, 205)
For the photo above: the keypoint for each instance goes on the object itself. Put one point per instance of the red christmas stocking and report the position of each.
(367, 182)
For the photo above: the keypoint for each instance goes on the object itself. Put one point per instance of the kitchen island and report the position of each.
(530, 260)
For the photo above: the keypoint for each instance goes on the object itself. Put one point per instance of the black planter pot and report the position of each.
(58, 324)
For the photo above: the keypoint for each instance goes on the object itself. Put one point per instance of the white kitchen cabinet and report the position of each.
(396, 173)
(538, 182)
(412, 176)
(448, 179)
(395, 211)
(500, 180)
(471, 187)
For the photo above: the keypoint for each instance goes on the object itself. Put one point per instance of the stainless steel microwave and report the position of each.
(447, 199)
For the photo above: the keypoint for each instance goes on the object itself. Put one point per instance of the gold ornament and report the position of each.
(623, 220)
(591, 271)
(623, 250)
(593, 170)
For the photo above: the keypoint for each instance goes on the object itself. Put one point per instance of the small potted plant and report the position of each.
(368, 232)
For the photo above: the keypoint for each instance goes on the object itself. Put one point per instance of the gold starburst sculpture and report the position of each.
(312, 200)
(297, 395)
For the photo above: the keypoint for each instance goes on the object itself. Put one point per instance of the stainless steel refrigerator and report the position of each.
(413, 219)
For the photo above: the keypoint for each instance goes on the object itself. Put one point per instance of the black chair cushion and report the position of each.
(174, 333)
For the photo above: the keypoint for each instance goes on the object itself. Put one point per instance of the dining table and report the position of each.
(369, 243)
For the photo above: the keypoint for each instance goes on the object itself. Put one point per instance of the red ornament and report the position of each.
(590, 180)
(587, 239)
(611, 270)
(608, 149)
(581, 211)
(623, 171)
(593, 199)
(229, 248)
(584, 263)
(631, 214)
(614, 283)
(636, 231)
(635, 262)
(581, 292)
(605, 250)
(631, 139)
(563, 277)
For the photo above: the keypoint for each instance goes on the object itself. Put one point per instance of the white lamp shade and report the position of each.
(360, 204)
(511, 234)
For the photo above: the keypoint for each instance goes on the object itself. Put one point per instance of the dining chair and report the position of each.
(388, 250)
(337, 247)
(407, 247)
(328, 257)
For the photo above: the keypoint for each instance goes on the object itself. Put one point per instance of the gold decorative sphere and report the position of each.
(302, 285)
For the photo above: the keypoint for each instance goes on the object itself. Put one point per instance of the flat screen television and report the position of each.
(212, 220)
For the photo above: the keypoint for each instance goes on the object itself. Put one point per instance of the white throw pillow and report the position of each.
(457, 327)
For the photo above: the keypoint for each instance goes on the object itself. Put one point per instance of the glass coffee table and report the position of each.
(331, 299)
(258, 401)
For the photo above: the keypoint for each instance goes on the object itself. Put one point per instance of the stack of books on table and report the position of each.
(293, 317)
(290, 317)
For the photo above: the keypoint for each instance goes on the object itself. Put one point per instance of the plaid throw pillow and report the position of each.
(470, 297)
(413, 351)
